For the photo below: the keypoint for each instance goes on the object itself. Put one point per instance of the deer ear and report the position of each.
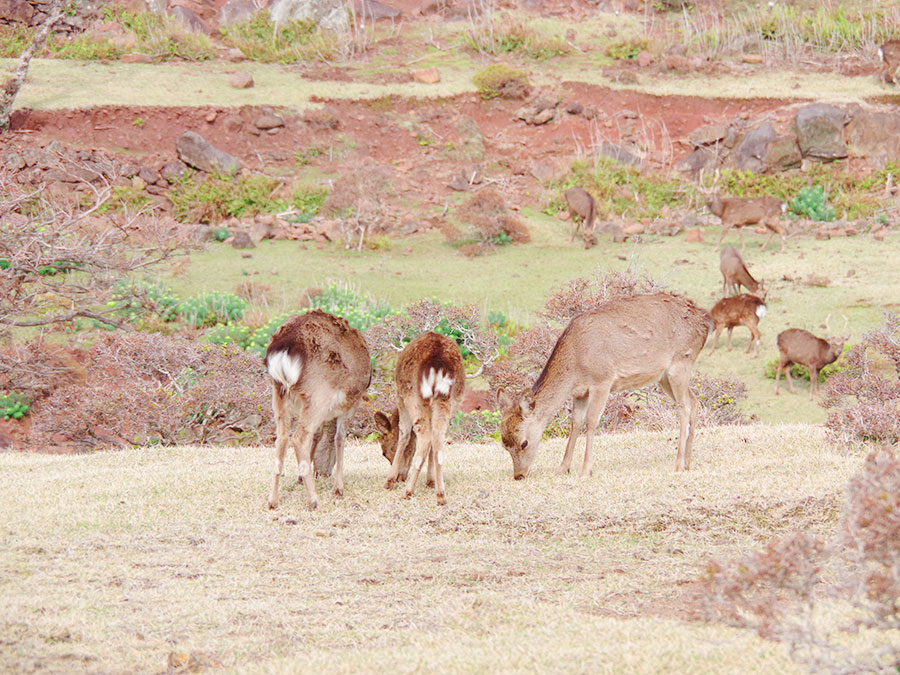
(382, 423)
(526, 402)
(503, 399)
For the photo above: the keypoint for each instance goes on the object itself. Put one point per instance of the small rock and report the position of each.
(694, 235)
(138, 183)
(241, 81)
(14, 162)
(211, 116)
(149, 176)
(543, 116)
(426, 75)
(173, 171)
(574, 108)
(196, 151)
(633, 228)
(268, 121)
(644, 58)
(234, 55)
(242, 239)
(752, 58)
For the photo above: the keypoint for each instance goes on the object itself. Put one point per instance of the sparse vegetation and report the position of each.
(502, 81)
(260, 39)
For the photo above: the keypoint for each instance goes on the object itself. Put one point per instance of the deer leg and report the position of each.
(813, 382)
(716, 339)
(282, 437)
(302, 440)
(423, 447)
(730, 329)
(787, 375)
(676, 383)
(440, 420)
(725, 229)
(579, 407)
(429, 480)
(755, 337)
(595, 405)
(741, 234)
(340, 434)
(405, 426)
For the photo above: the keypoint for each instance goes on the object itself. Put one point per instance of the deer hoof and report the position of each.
(272, 505)
(390, 484)
(407, 495)
(441, 500)
(338, 492)
(313, 504)
(429, 483)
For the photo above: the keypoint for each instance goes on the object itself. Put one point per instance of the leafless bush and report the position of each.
(486, 210)
(148, 388)
(35, 368)
(359, 198)
(864, 398)
(719, 398)
(780, 592)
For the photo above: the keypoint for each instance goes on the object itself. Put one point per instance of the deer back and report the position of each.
(580, 203)
(317, 351)
(738, 310)
(800, 346)
(749, 210)
(431, 367)
(631, 340)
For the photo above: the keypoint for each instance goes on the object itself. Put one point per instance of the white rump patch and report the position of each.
(760, 311)
(435, 382)
(284, 368)
(881, 53)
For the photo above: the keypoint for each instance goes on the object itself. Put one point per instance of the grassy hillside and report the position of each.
(114, 561)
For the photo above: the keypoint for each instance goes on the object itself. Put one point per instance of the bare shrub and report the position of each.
(493, 222)
(35, 368)
(150, 388)
(782, 591)
(864, 397)
(359, 199)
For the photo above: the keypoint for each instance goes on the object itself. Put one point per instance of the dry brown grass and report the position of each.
(110, 562)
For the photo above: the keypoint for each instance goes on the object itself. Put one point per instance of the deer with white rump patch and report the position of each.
(621, 345)
(740, 310)
(320, 369)
(430, 380)
(735, 274)
(796, 345)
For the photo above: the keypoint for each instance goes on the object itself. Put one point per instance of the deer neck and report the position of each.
(551, 391)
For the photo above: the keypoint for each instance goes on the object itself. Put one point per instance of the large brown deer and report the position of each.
(431, 381)
(796, 345)
(740, 211)
(735, 274)
(739, 310)
(582, 208)
(320, 368)
(623, 344)
(889, 53)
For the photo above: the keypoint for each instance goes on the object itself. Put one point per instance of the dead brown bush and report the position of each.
(780, 592)
(149, 388)
(486, 210)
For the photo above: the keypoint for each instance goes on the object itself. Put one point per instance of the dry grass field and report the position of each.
(161, 558)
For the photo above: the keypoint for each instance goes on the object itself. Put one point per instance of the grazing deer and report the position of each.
(889, 53)
(320, 368)
(740, 310)
(740, 211)
(623, 344)
(431, 381)
(796, 345)
(735, 274)
(581, 206)
(389, 430)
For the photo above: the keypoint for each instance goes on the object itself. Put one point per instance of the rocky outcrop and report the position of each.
(329, 14)
(819, 131)
(197, 152)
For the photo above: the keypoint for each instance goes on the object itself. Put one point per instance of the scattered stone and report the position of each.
(707, 135)
(752, 58)
(241, 81)
(268, 121)
(644, 58)
(137, 57)
(694, 236)
(234, 55)
(149, 176)
(574, 108)
(138, 183)
(211, 116)
(173, 171)
(14, 162)
(426, 75)
(633, 228)
(459, 183)
(542, 171)
(620, 154)
(197, 152)
(679, 63)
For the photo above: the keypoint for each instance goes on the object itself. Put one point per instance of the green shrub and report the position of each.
(14, 38)
(289, 42)
(502, 81)
(342, 299)
(218, 197)
(307, 202)
(85, 48)
(133, 301)
(476, 426)
(626, 49)
(14, 406)
(811, 203)
(212, 308)
(230, 334)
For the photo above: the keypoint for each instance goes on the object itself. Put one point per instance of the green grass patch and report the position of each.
(260, 39)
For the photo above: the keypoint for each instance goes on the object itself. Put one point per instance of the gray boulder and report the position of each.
(873, 134)
(751, 153)
(197, 152)
(819, 131)
(328, 14)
